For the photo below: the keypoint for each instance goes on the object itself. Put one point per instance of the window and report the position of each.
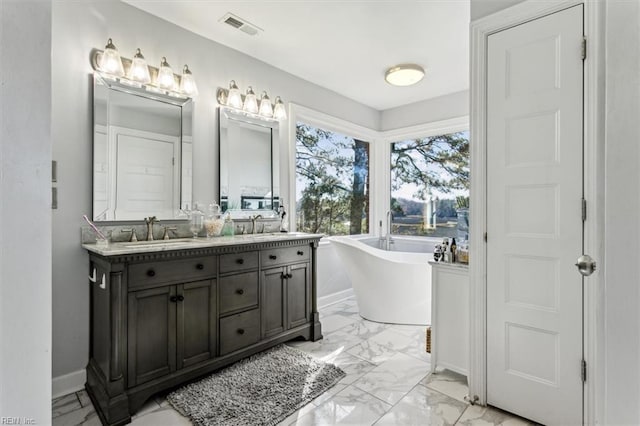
(430, 186)
(332, 182)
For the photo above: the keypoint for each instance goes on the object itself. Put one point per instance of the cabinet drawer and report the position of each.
(238, 291)
(169, 271)
(238, 261)
(239, 330)
(281, 256)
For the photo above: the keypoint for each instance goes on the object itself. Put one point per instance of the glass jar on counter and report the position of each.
(213, 221)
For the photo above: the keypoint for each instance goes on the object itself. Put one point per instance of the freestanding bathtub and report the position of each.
(390, 286)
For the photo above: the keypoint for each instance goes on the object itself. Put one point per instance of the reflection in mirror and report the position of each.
(142, 153)
(249, 171)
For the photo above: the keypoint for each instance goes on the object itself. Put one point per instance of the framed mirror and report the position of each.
(142, 153)
(249, 169)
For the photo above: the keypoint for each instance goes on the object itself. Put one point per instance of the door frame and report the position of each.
(593, 148)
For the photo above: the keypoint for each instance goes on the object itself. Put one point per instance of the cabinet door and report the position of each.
(152, 334)
(273, 301)
(196, 322)
(298, 295)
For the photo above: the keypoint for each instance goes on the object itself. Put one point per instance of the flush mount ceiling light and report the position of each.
(404, 74)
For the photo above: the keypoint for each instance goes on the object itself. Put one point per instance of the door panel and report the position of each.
(196, 310)
(272, 303)
(152, 331)
(534, 226)
(298, 298)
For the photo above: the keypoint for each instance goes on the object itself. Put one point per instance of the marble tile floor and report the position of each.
(388, 382)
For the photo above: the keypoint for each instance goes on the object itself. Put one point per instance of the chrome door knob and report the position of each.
(586, 265)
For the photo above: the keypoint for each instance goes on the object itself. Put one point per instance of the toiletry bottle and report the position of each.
(228, 229)
(453, 250)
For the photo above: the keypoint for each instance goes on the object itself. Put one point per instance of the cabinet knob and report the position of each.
(240, 291)
(273, 257)
(180, 298)
(241, 331)
(173, 299)
(200, 266)
(300, 253)
(240, 261)
(289, 276)
(151, 273)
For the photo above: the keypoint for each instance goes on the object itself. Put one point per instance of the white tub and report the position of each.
(390, 286)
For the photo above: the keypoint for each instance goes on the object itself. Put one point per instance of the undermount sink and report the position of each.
(159, 243)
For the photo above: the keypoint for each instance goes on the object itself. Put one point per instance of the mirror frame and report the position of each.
(225, 115)
(181, 102)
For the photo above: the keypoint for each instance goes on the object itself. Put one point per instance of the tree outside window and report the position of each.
(332, 182)
(430, 186)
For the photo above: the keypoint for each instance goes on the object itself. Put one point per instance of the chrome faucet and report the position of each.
(150, 221)
(254, 219)
(388, 240)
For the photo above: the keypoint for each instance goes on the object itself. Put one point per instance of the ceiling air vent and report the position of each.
(240, 24)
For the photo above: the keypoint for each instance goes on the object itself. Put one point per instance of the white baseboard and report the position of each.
(68, 383)
(332, 298)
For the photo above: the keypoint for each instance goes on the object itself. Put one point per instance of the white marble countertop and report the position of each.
(456, 265)
(123, 248)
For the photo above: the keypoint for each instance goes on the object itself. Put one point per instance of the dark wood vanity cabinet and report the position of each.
(159, 319)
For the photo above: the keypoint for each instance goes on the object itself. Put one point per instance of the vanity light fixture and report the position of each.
(165, 79)
(139, 70)
(249, 104)
(279, 111)
(187, 83)
(404, 74)
(266, 110)
(250, 101)
(137, 73)
(110, 62)
(234, 98)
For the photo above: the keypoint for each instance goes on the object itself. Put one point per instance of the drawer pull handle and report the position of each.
(273, 257)
(300, 253)
(200, 266)
(241, 331)
(240, 261)
(174, 299)
(151, 273)
(240, 291)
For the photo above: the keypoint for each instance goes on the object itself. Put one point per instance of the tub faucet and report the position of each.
(254, 220)
(150, 221)
(388, 240)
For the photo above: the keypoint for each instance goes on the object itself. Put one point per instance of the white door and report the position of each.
(145, 177)
(534, 218)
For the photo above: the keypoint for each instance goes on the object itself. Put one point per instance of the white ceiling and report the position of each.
(344, 46)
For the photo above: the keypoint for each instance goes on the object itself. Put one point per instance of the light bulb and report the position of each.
(279, 111)
(266, 110)
(235, 98)
(110, 62)
(165, 78)
(187, 83)
(250, 101)
(139, 70)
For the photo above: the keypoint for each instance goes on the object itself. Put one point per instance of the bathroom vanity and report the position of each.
(165, 313)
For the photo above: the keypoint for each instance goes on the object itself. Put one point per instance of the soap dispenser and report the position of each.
(228, 229)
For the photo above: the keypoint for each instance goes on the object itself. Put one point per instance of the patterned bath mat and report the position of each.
(263, 389)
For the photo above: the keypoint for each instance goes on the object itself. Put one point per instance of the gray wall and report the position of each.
(77, 28)
(481, 8)
(622, 204)
(441, 108)
(25, 210)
